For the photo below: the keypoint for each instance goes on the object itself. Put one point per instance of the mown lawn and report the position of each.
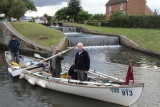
(38, 33)
(146, 38)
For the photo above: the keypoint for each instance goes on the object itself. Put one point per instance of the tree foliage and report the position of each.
(62, 14)
(73, 9)
(30, 5)
(83, 16)
(98, 17)
(135, 21)
(49, 19)
(74, 13)
(16, 8)
(70, 12)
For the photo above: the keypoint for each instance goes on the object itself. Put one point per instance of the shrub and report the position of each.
(94, 23)
(135, 21)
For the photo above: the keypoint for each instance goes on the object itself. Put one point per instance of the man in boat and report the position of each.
(82, 63)
(55, 64)
(14, 47)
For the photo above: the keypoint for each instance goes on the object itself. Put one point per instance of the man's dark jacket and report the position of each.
(82, 61)
(55, 66)
(14, 45)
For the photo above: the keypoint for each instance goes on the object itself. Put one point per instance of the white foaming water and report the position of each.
(106, 46)
(71, 33)
(99, 47)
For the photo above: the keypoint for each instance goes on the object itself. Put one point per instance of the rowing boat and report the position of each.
(15, 69)
(111, 91)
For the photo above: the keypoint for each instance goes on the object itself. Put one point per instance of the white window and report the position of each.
(110, 10)
(122, 7)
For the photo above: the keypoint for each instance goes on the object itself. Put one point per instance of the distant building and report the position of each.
(2, 17)
(130, 7)
(26, 19)
(13, 19)
(41, 20)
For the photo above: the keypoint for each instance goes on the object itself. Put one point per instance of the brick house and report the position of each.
(130, 7)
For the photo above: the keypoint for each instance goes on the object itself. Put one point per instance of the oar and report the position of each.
(103, 76)
(45, 59)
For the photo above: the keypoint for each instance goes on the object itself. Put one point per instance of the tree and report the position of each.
(5, 6)
(16, 8)
(30, 5)
(73, 9)
(98, 17)
(117, 15)
(83, 16)
(62, 14)
(157, 12)
(49, 19)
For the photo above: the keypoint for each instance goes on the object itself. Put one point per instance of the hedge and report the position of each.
(134, 22)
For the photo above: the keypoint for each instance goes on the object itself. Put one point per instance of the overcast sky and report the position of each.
(92, 6)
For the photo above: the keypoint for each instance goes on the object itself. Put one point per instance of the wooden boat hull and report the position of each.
(119, 94)
(123, 95)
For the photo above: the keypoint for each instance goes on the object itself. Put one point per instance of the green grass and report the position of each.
(145, 38)
(38, 33)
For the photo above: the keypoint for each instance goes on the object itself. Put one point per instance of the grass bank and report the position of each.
(38, 33)
(146, 38)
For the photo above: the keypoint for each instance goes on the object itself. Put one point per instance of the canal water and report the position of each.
(107, 56)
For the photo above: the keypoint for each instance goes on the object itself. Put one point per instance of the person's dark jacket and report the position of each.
(58, 61)
(55, 66)
(14, 45)
(82, 61)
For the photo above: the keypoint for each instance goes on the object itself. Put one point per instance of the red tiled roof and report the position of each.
(113, 2)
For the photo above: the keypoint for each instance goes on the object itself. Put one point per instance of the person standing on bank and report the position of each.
(55, 64)
(14, 47)
(82, 63)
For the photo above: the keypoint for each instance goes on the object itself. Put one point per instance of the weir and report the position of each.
(74, 35)
(91, 40)
(66, 29)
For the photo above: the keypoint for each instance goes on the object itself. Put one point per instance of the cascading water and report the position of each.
(65, 29)
(69, 29)
(91, 40)
(87, 39)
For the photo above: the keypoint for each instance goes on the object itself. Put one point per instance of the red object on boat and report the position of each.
(130, 75)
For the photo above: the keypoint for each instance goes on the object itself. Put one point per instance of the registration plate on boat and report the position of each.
(123, 91)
